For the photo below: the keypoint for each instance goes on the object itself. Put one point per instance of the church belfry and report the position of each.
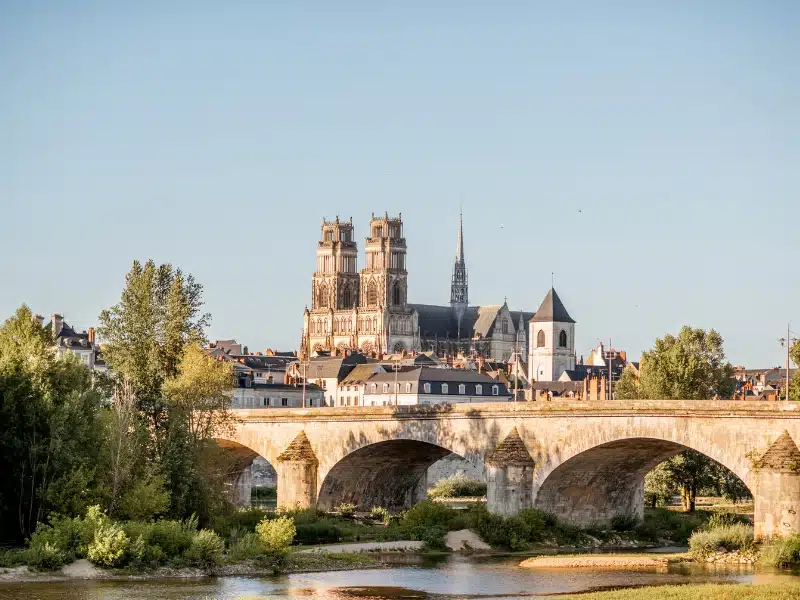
(335, 284)
(459, 296)
(384, 279)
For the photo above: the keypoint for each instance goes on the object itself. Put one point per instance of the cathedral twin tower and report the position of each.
(363, 310)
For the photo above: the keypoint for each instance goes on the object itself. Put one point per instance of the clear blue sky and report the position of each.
(216, 136)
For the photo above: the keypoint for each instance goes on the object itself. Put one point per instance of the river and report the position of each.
(450, 578)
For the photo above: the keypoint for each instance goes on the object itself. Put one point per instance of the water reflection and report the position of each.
(450, 578)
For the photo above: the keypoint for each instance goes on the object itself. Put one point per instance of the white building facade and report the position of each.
(552, 340)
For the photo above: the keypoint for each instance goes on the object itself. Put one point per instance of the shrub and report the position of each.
(322, 532)
(145, 500)
(347, 510)
(781, 552)
(206, 550)
(245, 519)
(729, 538)
(247, 547)
(172, 537)
(662, 523)
(457, 486)
(276, 534)
(721, 519)
(109, 547)
(46, 557)
(623, 522)
(12, 558)
(379, 514)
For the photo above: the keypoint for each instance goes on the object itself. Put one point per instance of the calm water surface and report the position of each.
(451, 578)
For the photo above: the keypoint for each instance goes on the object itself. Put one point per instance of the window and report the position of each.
(540, 339)
(397, 294)
(427, 388)
(462, 389)
(495, 390)
(445, 388)
(562, 339)
(385, 388)
(265, 402)
(408, 388)
(504, 326)
(348, 401)
(284, 402)
(397, 387)
(478, 389)
(372, 294)
(374, 388)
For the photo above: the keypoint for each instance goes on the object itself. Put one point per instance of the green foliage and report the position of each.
(781, 552)
(276, 534)
(690, 366)
(206, 549)
(518, 533)
(729, 538)
(109, 547)
(244, 519)
(379, 514)
(12, 558)
(659, 486)
(324, 531)
(623, 522)
(723, 519)
(50, 433)
(46, 557)
(457, 486)
(627, 387)
(247, 547)
(144, 500)
(662, 523)
(346, 509)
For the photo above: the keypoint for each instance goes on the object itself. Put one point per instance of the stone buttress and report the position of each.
(776, 489)
(509, 476)
(297, 474)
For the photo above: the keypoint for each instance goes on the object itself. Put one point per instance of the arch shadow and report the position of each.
(606, 480)
(391, 474)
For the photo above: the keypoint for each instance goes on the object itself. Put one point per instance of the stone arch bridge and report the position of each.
(582, 461)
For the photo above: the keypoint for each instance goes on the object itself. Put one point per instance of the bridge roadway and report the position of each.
(583, 461)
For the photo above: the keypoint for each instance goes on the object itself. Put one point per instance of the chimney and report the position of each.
(91, 335)
(57, 322)
(39, 319)
(623, 355)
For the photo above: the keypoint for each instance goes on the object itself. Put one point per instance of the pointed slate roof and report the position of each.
(511, 451)
(299, 450)
(783, 455)
(552, 309)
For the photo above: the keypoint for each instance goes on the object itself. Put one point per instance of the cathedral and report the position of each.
(368, 310)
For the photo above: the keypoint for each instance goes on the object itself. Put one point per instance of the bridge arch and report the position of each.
(588, 482)
(237, 467)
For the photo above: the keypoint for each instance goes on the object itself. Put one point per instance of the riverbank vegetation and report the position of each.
(457, 486)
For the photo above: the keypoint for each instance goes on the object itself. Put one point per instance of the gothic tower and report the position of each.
(459, 298)
(552, 340)
(384, 279)
(335, 282)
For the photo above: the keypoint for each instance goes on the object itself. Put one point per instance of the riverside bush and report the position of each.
(457, 486)
(206, 550)
(323, 531)
(379, 514)
(781, 551)
(46, 557)
(662, 523)
(244, 519)
(623, 522)
(247, 547)
(728, 538)
(109, 547)
(276, 534)
(346, 509)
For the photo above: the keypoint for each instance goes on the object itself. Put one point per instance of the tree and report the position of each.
(794, 383)
(50, 434)
(627, 387)
(145, 333)
(690, 366)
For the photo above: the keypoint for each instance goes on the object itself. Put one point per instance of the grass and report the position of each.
(457, 486)
(776, 591)
(781, 552)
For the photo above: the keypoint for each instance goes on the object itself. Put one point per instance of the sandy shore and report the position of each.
(603, 561)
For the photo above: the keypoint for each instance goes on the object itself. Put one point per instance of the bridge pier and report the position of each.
(509, 477)
(242, 485)
(776, 490)
(297, 474)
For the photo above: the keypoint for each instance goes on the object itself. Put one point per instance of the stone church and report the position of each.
(368, 310)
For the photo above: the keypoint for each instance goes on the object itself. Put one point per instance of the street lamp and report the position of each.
(788, 341)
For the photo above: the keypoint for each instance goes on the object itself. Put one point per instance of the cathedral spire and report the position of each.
(459, 298)
(460, 245)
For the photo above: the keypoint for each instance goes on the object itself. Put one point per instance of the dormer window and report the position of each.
(445, 388)
(478, 389)
(495, 390)
(427, 388)
(462, 389)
